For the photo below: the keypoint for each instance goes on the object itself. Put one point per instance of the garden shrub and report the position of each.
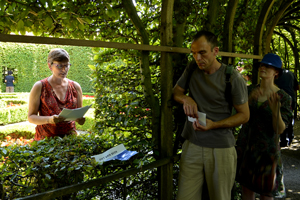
(7, 94)
(58, 162)
(3, 104)
(13, 114)
(26, 131)
(87, 93)
(8, 97)
(122, 112)
(14, 101)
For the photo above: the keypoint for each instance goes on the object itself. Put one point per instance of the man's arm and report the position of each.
(241, 117)
(189, 105)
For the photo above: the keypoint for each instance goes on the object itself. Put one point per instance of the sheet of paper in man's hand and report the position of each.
(73, 114)
(201, 118)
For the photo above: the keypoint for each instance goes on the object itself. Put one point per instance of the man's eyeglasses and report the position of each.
(60, 66)
(265, 65)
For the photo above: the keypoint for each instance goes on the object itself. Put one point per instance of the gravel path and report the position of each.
(291, 164)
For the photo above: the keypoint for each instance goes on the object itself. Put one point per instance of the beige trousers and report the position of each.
(216, 166)
(10, 89)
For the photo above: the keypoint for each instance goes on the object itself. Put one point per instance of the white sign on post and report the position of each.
(110, 153)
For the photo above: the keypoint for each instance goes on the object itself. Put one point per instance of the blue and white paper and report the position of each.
(116, 153)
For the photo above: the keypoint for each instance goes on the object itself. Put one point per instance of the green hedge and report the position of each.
(26, 131)
(14, 101)
(13, 114)
(29, 63)
(57, 162)
(88, 93)
(8, 96)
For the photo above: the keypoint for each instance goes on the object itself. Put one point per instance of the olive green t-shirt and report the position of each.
(208, 91)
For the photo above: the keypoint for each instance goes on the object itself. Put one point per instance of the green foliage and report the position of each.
(15, 101)
(87, 101)
(21, 130)
(3, 104)
(120, 104)
(58, 162)
(8, 96)
(86, 93)
(29, 62)
(13, 114)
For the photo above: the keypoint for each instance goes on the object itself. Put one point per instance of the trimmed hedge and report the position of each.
(14, 101)
(29, 64)
(26, 131)
(13, 114)
(8, 96)
(53, 163)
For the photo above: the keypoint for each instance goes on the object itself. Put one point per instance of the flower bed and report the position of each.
(16, 141)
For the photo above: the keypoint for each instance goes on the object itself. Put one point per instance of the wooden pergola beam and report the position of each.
(259, 34)
(116, 45)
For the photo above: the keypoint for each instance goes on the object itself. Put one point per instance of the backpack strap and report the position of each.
(193, 67)
(228, 73)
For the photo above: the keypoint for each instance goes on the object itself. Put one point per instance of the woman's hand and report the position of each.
(80, 121)
(273, 100)
(56, 119)
(255, 94)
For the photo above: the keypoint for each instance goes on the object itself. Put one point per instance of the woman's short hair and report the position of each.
(59, 55)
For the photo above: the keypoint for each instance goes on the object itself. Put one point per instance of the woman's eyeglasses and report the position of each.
(60, 66)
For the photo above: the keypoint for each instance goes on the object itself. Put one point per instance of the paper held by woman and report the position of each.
(73, 114)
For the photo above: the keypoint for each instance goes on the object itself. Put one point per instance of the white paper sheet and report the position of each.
(201, 118)
(73, 114)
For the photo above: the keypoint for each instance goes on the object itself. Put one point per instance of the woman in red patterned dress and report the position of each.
(48, 97)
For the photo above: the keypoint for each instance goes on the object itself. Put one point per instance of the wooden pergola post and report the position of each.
(258, 36)
(166, 138)
(228, 29)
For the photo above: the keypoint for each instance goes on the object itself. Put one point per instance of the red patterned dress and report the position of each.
(51, 105)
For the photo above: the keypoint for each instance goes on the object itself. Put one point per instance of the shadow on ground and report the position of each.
(291, 164)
